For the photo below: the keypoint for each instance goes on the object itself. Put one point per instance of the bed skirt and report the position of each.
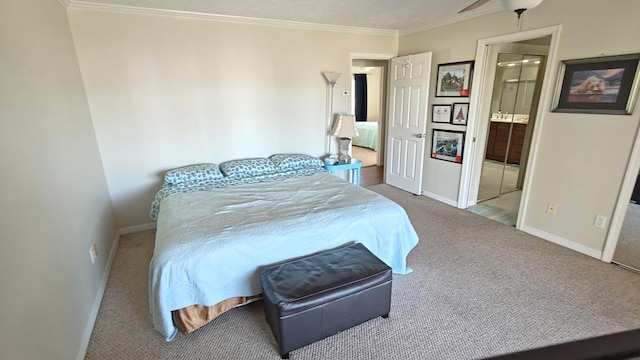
(191, 318)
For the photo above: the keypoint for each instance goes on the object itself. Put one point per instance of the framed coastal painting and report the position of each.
(454, 79)
(602, 85)
(441, 114)
(460, 113)
(447, 145)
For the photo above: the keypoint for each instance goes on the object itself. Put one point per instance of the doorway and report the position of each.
(542, 41)
(367, 103)
(368, 84)
(515, 97)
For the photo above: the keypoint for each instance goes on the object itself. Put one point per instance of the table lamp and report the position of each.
(344, 128)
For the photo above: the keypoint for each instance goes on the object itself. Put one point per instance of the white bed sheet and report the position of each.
(210, 245)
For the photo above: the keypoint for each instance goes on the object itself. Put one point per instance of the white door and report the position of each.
(407, 121)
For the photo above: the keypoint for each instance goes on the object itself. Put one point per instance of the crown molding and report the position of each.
(486, 9)
(133, 10)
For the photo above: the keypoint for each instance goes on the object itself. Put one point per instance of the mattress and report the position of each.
(210, 245)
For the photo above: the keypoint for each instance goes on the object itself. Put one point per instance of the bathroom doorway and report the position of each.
(514, 101)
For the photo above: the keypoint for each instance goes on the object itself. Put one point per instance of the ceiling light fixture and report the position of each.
(518, 6)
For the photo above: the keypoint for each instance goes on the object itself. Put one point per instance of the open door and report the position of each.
(407, 121)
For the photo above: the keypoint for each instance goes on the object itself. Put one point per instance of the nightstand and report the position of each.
(354, 168)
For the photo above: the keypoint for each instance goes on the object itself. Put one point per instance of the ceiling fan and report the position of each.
(519, 6)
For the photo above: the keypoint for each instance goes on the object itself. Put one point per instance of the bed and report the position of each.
(367, 135)
(218, 225)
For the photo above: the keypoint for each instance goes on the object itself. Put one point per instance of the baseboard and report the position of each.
(562, 242)
(137, 228)
(103, 284)
(440, 198)
(98, 299)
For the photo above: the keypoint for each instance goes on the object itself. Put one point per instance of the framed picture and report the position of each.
(460, 113)
(602, 85)
(454, 79)
(447, 145)
(441, 114)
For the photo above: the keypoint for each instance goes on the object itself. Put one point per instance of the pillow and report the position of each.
(247, 167)
(284, 162)
(198, 172)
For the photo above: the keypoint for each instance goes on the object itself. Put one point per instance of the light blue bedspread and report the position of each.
(367, 134)
(210, 245)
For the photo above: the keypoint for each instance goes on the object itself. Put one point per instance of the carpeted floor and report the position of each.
(478, 289)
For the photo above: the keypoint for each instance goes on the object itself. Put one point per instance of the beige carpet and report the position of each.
(479, 288)
(628, 248)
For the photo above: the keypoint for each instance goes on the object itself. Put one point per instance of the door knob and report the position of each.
(421, 136)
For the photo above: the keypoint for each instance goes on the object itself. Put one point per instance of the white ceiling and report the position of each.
(401, 15)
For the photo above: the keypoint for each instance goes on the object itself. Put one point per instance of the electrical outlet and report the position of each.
(93, 253)
(601, 221)
(552, 209)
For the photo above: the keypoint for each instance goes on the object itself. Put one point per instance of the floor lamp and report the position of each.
(332, 78)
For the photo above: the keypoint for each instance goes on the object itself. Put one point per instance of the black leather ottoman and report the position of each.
(309, 299)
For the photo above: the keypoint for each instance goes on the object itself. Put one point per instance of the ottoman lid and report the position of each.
(310, 281)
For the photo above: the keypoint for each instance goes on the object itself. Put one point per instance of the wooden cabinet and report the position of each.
(498, 141)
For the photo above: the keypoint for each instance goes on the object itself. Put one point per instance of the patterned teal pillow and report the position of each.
(284, 162)
(198, 172)
(247, 167)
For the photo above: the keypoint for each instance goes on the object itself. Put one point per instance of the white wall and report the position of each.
(167, 92)
(53, 199)
(581, 159)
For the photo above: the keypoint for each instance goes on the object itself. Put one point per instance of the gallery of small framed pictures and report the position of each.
(455, 114)
(453, 80)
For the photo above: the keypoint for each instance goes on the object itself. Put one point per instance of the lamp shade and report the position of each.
(345, 126)
(332, 77)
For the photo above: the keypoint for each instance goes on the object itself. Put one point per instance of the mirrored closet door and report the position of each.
(628, 248)
(511, 108)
